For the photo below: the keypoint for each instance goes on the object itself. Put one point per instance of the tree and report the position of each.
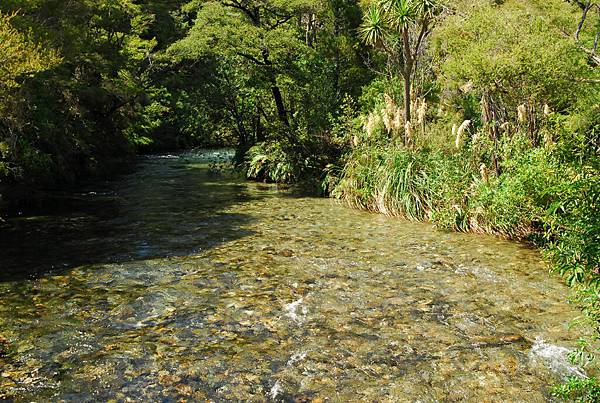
(516, 63)
(400, 28)
(70, 118)
(19, 57)
(585, 7)
(265, 34)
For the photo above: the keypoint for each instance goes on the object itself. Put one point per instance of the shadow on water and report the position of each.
(170, 206)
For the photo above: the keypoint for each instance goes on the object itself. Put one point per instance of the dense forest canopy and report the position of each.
(86, 84)
(478, 115)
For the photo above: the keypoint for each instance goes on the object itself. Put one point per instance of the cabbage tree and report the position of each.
(399, 28)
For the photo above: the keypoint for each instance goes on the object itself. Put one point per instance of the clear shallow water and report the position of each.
(179, 283)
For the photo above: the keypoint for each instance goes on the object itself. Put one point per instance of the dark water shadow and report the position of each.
(167, 207)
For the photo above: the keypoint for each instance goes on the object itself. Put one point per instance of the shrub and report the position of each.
(269, 162)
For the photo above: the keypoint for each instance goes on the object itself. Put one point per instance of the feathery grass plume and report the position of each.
(415, 105)
(547, 110)
(408, 132)
(457, 140)
(548, 140)
(454, 129)
(398, 119)
(355, 141)
(468, 87)
(522, 113)
(388, 113)
(422, 111)
(372, 122)
(485, 176)
(389, 102)
(387, 119)
(365, 123)
(460, 132)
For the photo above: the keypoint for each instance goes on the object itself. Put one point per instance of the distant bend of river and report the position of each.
(180, 281)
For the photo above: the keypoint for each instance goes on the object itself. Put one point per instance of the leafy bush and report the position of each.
(578, 390)
(269, 162)
(419, 185)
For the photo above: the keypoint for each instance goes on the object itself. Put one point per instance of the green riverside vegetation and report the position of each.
(476, 115)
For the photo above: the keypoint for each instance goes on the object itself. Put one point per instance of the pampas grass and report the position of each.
(387, 120)
(373, 121)
(460, 131)
(391, 116)
(547, 110)
(422, 112)
(408, 133)
(522, 113)
(548, 140)
(485, 175)
(398, 119)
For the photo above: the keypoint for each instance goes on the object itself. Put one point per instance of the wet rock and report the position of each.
(286, 253)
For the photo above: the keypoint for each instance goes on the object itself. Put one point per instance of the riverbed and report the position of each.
(181, 281)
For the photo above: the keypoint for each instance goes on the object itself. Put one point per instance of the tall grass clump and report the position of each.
(402, 182)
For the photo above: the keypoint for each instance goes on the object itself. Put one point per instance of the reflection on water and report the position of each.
(197, 286)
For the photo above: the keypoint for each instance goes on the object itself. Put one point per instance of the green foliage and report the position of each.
(284, 68)
(538, 196)
(529, 174)
(401, 182)
(20, 55)
(515, 51)
(269, 162)
(578, 390)
(515, 203)
(70, 119)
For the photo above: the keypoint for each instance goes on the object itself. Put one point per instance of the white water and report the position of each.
(296, 310)
(555, 357)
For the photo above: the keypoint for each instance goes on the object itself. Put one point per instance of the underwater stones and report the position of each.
(481, 273)
(426, 265)
(351, 319)
(286, 253)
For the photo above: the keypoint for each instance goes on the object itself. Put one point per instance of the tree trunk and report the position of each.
(258, 128)
(406, 97)
(281, 111)
(585, 9)
(407, 75)
(311, 27)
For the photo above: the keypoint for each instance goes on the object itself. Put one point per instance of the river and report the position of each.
(180, 282)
